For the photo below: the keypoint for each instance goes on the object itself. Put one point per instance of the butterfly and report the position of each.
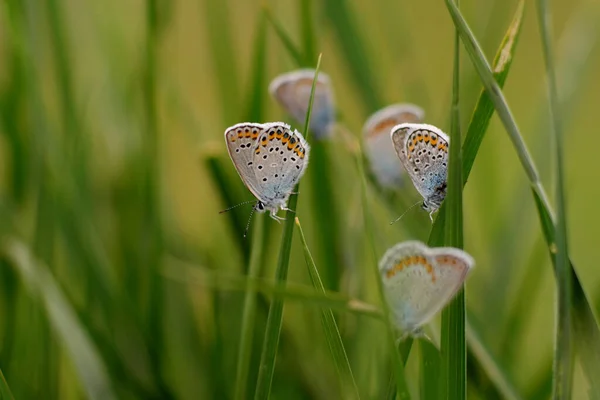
(376, 132)
(423, 151)
(419, 281)
(292, 92)
(270, 158)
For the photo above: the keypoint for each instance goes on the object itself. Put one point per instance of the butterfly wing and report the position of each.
(292, 91)
(383, 159)
(450, 269)
(280, 158)
(409, 284)
(423, 151)
(241, 142)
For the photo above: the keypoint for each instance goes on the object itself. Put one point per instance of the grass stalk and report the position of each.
(275, 316)
(454, 344)
(223, 56)
(349, 389)
(152, 206)
(287, 42)
(255, 113)
(308, 30)
(74, 337)
(563, 353)
(249, 312)
(288, 291)
(349, 38)
(585, 326)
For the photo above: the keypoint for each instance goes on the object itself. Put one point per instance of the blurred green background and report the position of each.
(118, 277)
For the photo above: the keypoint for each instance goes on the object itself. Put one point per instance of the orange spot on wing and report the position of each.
(430, 271)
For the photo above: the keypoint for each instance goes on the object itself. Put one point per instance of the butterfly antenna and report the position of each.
(237, 205)
(409, 208)
(249, 219)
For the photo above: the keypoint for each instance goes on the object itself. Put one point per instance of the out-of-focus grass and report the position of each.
(101, 183)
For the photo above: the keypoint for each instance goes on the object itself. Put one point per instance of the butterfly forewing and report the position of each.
(241, 142)
(423, 151)
(383, 159)
(409, 283)
(292, 91)
(419, 281)
(280, 158)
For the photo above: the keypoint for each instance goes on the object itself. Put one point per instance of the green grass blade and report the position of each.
(584, 323)
(494, 371)
(249, 313)
(255, 112)
(287, 42)
(454, 343)
(352, 46)
(482, 114)
(563, 353)
(275, 316)
(5, 393)
(224, 55)
(308, 31)
(484, 109)
(332, 333)
(257, 92)
(279, 290)
(397, 363)
(477, 128)
(82, 351)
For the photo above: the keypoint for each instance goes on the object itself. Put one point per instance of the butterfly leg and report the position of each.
(276, 217)
(288, 209)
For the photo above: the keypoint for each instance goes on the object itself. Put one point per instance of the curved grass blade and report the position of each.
(484, 109)
(287, 42)
(348, 385)
(454, 343)
(82, 351)
(478, 125)
(584, 322)
(289, 291)
(5, 393)
(493, 370)
(321, 183)
(482, 114)
(308, 31)
(563, 354)
(275, 316)
(223, 55)
(352, 46)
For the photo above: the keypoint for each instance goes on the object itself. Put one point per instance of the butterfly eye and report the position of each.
(425, 206)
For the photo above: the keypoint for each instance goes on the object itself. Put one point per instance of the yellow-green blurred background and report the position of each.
(113, 169)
